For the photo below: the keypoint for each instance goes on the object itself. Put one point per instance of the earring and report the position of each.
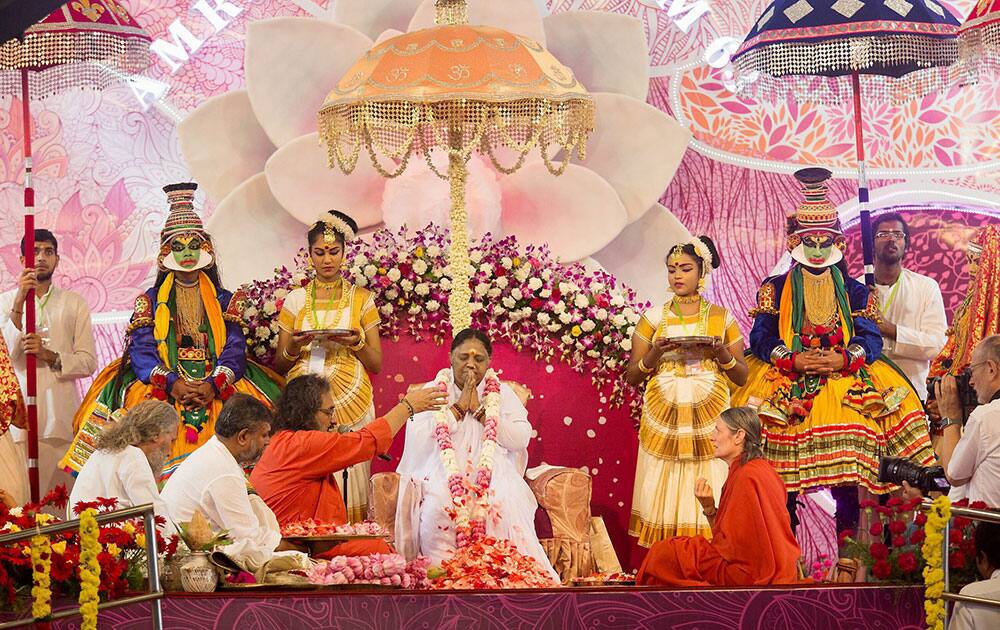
(701, 284)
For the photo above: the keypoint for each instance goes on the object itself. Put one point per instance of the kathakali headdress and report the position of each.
(184, 232)
(815, 218)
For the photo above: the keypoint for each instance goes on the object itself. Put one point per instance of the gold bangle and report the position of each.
(729, 364)
(642, 366)
(293, 358)
(358, 347)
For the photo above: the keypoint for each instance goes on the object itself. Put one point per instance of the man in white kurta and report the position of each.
(64, 346)
(422, 524)
(211, 480)
(913, 319)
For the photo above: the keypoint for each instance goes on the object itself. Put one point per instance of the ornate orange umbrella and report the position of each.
(456, 88)
(85, 43)
(979, 37)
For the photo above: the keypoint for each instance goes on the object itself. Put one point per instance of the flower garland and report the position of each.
(90, 569)
(460, 296)
(469, 500)
(41, 566)
(934, 604)
(521, 295)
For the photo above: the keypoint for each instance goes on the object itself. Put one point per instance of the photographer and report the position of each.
(972, 460)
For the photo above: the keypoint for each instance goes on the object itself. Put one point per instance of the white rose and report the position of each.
(564, 288)
(554, 327)
(509, 302)
(565, 318)
(501, 282)
(619, 320)
(263, 332)
(516, 293)
(617, 299)
(361, 259)
(394, 274)
(587, 325)
(370, 270)
(475, 255)
(522, 273)
(270, 308)
(433, 251)
(544, 318)
(280, 293)
(406, 284)
(626, 345)
(17, 511)
(386, 309)
(598, 287)
(593, 354)
(581, 301)
(632, 316)
(492, 293)
(506, 262)
(544, 293)
(381, 253)
(260, 351)
(481, 289)
(419, 267)
(601, 314)
(445, 284)
(630, 330)
(251, 312)
(534, 284)
(274, 326)
(499, 310)
(361, 281)
(559, 307)
(486, 270)
(566, 339)
(413, 310)
(355, 271)
(422, 289)
(391, 294)
(433, 305)
(547, 275)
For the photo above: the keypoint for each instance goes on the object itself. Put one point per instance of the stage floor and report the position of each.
(798, 608)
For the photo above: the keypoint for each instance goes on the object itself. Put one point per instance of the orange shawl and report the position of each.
(752, 541)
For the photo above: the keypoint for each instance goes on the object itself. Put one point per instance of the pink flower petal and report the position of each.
(372, 17)
(305, 186)
(606, 51)
(291, 65)
(576, 213)
(517, 16)
(223, 144)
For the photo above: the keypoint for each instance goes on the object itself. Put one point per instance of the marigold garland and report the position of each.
(934, 604)
(90, 569)
(41, 590)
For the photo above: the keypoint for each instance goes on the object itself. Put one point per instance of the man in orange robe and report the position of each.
(296, 475)
(752, 541)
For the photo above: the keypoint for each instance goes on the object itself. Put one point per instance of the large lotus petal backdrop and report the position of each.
(230, 101)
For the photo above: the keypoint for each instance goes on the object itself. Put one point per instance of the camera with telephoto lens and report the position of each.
(928, 479)
(966, 394)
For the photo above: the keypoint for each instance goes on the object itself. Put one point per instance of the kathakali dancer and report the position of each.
(689, 353)
(185, 344)
(330, 327)
(830, 405)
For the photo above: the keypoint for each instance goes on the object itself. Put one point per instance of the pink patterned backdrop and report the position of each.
(101, 161)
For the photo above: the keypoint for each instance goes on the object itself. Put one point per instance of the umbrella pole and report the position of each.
(29, 303)
(866, 217)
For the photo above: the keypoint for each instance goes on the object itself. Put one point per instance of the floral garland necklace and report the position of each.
(468, 499)
(934, 604)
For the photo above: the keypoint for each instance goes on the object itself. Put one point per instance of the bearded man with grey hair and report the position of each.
(129, 454)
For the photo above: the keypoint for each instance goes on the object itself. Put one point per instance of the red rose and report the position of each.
(921, 519)
(898, 541)
(893, 502)
(878, 551)
(907, 562)
(956, 560)
(875, 529)
(917, 537)
(897, 527)
(881, 569)
(405, 269)
(844, 535)
(556, 295)
(536, 304)
(868, 504)
(979, 505)
(960, 522)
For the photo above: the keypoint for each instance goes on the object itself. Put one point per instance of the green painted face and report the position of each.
(816, 248)
(186, 251)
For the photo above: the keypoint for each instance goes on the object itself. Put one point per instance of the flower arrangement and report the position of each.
(521, 295)
(389, 569)
(313, 527)
(64, 565)
(901, 559)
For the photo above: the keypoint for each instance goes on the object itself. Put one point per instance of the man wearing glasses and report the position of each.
(972, 459)
(913, 320)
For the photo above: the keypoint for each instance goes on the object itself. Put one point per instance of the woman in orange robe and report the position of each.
(752, 541)
(297, 474)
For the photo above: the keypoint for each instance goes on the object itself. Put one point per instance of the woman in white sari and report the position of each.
(423, 524)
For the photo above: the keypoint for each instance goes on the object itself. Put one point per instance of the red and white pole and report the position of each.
(29, 303)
